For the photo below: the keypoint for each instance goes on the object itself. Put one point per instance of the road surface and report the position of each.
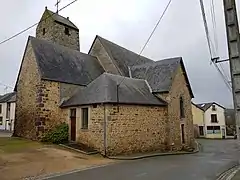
(214, 157)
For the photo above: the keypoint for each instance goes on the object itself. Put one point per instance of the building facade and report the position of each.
(212, 123)
(7, 111)
(113, 99)
(198, 121)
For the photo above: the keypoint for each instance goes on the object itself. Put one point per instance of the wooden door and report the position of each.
(73, 124)
(183, 136)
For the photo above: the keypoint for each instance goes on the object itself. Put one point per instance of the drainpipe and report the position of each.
(105, 131)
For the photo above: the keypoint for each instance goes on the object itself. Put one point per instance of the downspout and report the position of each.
(105, 131)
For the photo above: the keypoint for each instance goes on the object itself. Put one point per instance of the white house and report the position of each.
(214, 120)
(7, 111)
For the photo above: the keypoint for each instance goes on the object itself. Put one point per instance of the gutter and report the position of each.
(105, 131)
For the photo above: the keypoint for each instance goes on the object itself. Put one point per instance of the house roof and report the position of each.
(62, 64)
(159, 74)
(197, 106)
(9, 97)
(205, 106)
(104, 90)
(122, 57)
(60, 19)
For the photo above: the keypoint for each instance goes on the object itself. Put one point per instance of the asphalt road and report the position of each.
(214, 157)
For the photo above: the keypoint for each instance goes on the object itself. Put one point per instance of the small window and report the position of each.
(8, 110)
(0, 109)
(44, 31)
(213, 107)
(84, 118)
(182, 115)
(67, 31)
(214, 118)
(1, 121)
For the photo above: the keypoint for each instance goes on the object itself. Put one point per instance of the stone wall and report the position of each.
(179, 89)
(130, 129)
(37, 106)
(26, 104)
(49, 114)
(55, 32)
(93, 136)
(99, 51)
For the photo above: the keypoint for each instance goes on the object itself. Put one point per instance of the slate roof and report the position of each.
(122, 57)
(158, 74)
(61, 64)
(104, 90)
(9, 97)
(205, 106)
(60, 19)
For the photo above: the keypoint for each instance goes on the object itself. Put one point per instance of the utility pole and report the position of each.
(233, 39)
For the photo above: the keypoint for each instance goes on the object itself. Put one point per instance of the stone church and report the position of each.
(114, 100)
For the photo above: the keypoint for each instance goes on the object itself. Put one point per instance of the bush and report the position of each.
(57, 135)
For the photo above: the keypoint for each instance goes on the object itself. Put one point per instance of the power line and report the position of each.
(30, 27)
(153, 31)
(213, 17)
(209, 42)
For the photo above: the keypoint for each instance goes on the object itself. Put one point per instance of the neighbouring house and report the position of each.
(230, 122)
(198, 121)
(213, 120)
(7, 111)
(114, 100)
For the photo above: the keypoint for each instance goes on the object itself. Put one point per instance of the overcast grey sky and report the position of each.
(127, 23)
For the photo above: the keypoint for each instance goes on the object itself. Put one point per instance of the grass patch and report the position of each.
(14, 145)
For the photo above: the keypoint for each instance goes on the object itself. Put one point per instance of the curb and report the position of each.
(155, 154)
(229, 173)
(58, 174)
(77, 150)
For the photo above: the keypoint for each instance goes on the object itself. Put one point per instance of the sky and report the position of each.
(129, 24)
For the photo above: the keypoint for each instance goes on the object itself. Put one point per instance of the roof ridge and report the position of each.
(122, 47)
(59, 45)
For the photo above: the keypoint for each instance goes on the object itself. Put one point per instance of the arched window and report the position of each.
(182, 115)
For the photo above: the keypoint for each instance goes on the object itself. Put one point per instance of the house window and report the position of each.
(8, 111)
(44, 31)
(67, 31)
(182, 115)
(213, 107)
(213, 130)
(214, 118)
(0, 109)
(84, 118)
(1, 121)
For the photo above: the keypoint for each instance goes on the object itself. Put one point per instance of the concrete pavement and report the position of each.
(215, 156)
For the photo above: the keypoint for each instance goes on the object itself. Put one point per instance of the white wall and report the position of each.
(5, 125)
(220, 118)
